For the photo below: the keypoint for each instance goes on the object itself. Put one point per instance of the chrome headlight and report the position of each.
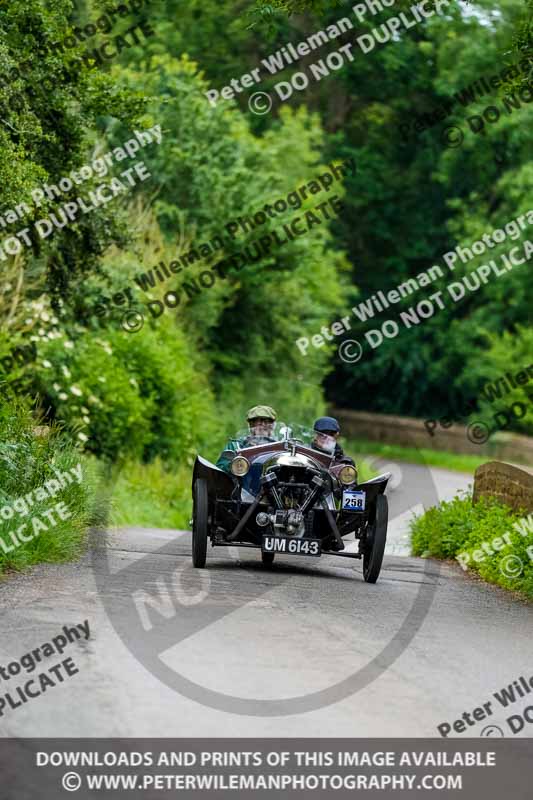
(240, 466)
(347, 475)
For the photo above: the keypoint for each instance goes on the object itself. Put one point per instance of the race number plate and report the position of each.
(353, 501)
(287, 544)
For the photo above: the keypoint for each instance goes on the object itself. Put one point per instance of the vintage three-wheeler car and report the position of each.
(285, 497)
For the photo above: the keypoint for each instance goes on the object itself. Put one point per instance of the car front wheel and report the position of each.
(199, 523)
(376, 540)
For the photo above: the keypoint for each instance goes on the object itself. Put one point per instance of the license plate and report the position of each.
(353, 501)
(296, 547)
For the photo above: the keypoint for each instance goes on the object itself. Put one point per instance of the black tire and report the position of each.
(376, 540)
(199, 523)
(267, 559)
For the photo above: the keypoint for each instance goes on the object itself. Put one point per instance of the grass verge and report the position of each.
(487, 538)
(431, 458)
(150, 496)
(32, 528)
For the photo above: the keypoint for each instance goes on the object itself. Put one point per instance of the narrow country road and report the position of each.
(306, 644)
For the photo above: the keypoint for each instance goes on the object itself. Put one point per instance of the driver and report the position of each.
(327, 431)
(261, 421)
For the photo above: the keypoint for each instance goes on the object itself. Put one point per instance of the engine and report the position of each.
(294, 487)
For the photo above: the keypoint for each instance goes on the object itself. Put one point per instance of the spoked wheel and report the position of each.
(267, 559)
(199, 523)
(376, 540)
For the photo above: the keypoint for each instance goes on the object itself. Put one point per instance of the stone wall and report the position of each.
(508, 484)
(410, 432)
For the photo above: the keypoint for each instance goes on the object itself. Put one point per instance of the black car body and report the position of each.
(286, 497)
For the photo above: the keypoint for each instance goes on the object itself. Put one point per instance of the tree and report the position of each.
(54, 107)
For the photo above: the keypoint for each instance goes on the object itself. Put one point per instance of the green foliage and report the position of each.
(211, 169)
(403, 228)
(392, 228)
(183, 382)
(51, 103)
(28, 458)
(444, 530)
(129, 396)
(265, 10)
(510, 353)
(458, 526)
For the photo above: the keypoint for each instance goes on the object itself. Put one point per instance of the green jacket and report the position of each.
(233, 445)
(237, 444)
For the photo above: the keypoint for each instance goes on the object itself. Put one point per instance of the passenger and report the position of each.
(327, 431)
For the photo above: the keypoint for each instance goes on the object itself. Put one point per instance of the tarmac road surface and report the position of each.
(168, 644)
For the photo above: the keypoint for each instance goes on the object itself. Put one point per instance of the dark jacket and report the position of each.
(338, 454)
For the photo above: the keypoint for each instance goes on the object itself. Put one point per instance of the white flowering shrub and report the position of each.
(135, 396)
(21, 337)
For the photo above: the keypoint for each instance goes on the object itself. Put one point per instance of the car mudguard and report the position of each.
(350, 519)
(374, 486)
(219, 483)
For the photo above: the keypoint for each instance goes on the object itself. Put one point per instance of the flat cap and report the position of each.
(261, 411)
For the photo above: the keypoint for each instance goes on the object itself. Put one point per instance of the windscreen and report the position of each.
(279, 432)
